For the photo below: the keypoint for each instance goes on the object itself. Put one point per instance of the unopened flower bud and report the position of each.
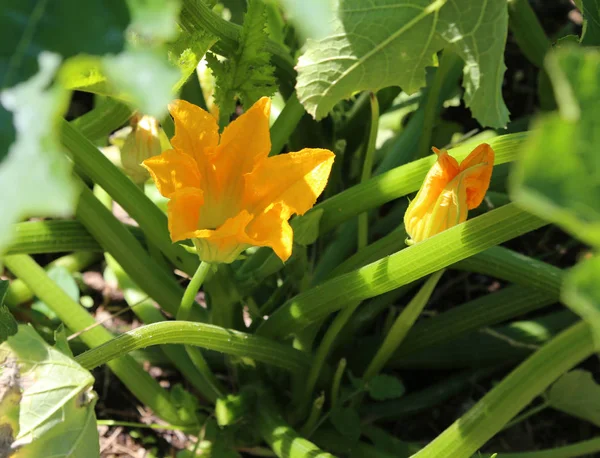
(140, 144)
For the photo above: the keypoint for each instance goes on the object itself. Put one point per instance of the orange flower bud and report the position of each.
(448, 192)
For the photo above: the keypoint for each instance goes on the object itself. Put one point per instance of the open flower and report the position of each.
(449, 191)
(225, 193)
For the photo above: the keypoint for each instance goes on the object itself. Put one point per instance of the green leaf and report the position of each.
(63, 278)
(557, 177)
(35, 177)
(591, 24)
(581, 292)
(60, 341)
(577, 394)
(306, 230)
(56, 410)
(31, 26)
(347, 421)
(247, 75)
(382, 387)
(8, 324)
(186, 52)
(390, 42)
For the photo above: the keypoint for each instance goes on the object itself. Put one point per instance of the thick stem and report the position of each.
(363, 218)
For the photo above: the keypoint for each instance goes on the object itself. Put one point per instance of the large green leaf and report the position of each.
(390, 42)
(54, 415)
(35, 177)
(558, 176)
(32, 26)
(577, 394)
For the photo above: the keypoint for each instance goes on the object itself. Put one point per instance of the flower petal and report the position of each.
(243, 143)
(172, 171)
(195, 130)
(226, 242)
(294, 179)
(184, 212)
(272, 229)
(477, 182)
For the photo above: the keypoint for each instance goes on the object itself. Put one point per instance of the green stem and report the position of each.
(107, 116)
(188, 299)
(189, 296)
(337, 381)
(488, 310)
(122, 245)
(138, 381)
(322, 352)
(285, 124)
(55, 236)
(18, 292)
(401, 326)
(466, 435)
(146, 311)
(400, 268)
(315, 414)
(363, 218)
(285, 442)
(202, 335)
(448, 64)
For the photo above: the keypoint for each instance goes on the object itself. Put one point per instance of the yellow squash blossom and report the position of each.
(224, 192)
(449, 191)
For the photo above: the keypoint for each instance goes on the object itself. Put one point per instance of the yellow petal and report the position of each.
(477, 182)
(294, 179)
(272, 229)
(243, 143)
(172, 171)
(195, 130)
(225, 243)
(184, 211)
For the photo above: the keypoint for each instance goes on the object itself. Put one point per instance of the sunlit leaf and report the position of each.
(35, 177)
(558, 176)
(390, 42)
(56, 409)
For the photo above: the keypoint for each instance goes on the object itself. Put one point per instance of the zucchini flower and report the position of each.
(225, 192)
(449, 191)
